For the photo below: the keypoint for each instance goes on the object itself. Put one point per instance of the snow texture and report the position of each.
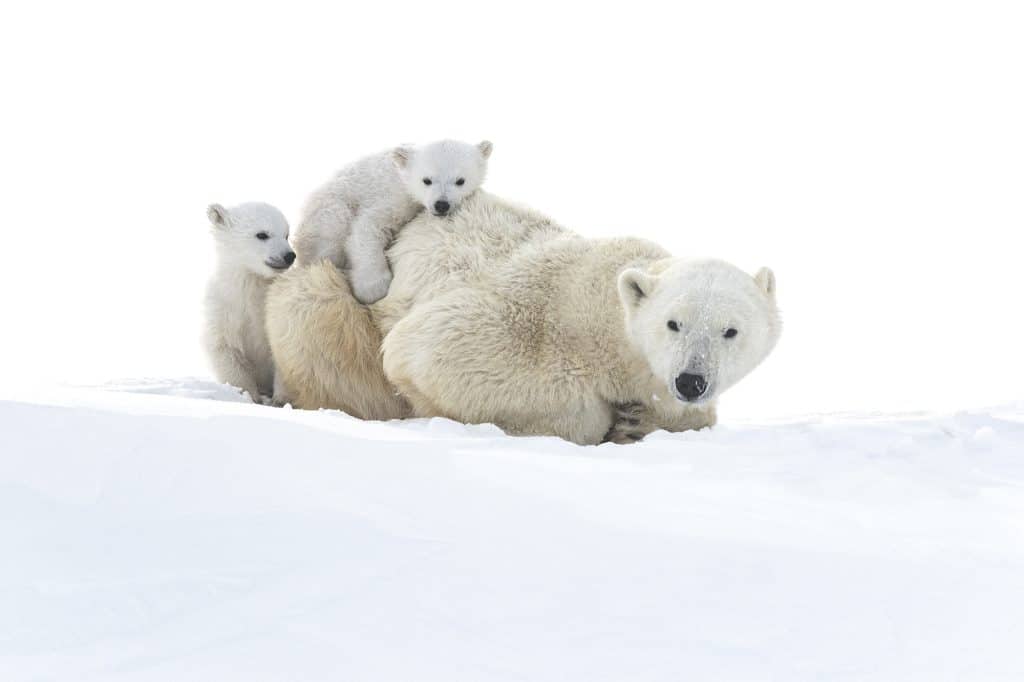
(162, 530)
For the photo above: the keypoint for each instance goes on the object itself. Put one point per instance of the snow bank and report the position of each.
(152, 535)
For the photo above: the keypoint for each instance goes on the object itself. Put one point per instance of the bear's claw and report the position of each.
(628, 425)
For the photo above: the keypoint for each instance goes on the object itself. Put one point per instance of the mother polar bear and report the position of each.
(496, 314)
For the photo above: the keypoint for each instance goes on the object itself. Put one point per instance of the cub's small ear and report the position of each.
(634, 286)
(400, 156)
(485, 148)
(765, 279)
(217, 214)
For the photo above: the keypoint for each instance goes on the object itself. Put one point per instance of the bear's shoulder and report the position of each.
(434, 254)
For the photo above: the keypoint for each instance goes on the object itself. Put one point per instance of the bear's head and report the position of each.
(252, 237)
(702, 324)
(441, 174)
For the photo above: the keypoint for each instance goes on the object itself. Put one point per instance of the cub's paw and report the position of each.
(251, 393)
(371, 290)
(630, 423)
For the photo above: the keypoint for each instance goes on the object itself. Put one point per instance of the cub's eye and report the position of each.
(730, 332)
(427, 181)
(262, 236)
(460, 182)
(673, 326)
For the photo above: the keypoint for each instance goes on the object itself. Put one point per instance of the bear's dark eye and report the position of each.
(262, 236)
(673, 326)
(730, 332)
(427, 181)
(460, 182)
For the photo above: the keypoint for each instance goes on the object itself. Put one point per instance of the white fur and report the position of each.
(500, 315)
(235, 337)
(353, 218)
(703, 300)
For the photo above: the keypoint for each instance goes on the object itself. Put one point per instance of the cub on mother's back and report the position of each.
(353, 218)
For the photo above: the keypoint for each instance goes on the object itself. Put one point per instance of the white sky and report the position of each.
(871, 153)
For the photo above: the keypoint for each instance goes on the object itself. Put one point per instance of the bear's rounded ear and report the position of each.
(765, 279)
(217, 214)
(634, 286)
(400, 156)
(485, 148)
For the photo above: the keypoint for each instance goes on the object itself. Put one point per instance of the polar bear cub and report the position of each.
(353, 218)
(252, 249)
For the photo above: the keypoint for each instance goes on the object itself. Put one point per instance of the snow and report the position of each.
(165, 530)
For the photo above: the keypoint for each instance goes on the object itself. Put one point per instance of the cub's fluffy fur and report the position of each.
(252, 249)
(353, 218)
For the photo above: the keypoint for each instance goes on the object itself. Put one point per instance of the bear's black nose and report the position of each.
(289, 257)
(441, 207)
(691, 386)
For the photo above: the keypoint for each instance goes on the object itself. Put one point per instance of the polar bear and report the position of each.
(497, 314)
(353, 218)
(252, 249)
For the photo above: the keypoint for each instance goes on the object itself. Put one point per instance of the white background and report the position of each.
(872, 153)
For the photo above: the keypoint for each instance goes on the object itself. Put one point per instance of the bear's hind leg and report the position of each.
(326, 346)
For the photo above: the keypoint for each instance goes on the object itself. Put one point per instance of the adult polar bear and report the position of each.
(497, 314)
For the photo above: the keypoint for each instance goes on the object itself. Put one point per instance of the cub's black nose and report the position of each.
(441, 207)
(289, 257)
(691, 386)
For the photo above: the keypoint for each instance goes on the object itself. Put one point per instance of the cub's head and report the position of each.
(702, 324)
(253, 237)
(441, 174)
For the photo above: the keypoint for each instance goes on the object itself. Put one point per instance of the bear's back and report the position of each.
(434, 255)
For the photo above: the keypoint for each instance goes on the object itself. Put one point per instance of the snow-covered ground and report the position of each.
(165, 531)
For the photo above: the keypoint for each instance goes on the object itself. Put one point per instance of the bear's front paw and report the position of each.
(630, 423)
(371, 290)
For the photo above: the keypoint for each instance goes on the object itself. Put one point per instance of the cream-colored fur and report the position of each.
(495, 314)
(326, 346)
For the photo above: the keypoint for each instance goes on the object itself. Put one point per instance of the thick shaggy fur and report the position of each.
(327, 347)
(353, 218)
(252, 249)
(496, 314)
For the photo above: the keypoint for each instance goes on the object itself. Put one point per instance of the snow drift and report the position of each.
(180, 535)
